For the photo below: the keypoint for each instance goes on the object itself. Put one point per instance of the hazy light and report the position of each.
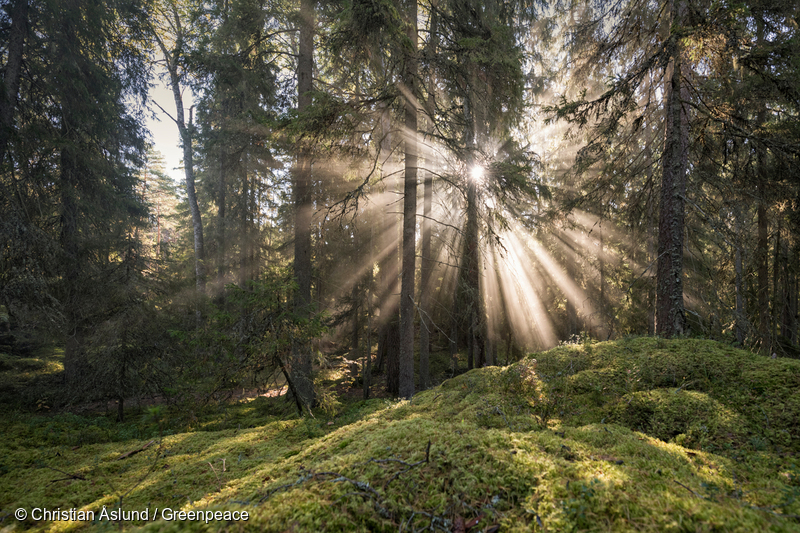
(476, 173)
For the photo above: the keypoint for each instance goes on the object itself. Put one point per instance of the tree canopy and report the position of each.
(417, 186)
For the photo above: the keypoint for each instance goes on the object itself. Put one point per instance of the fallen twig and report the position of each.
(69, 476)
(410, 466)
(687, 488)
(134, 452)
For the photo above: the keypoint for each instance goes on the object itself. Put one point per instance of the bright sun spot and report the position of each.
(476, 173)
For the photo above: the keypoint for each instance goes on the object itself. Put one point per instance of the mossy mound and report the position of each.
(530, 447)
(699, 393)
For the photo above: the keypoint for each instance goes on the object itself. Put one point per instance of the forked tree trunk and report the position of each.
(171, 61)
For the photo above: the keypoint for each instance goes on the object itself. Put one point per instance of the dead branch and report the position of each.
(134, 452)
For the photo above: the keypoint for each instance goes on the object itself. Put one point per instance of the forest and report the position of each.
(402, 233)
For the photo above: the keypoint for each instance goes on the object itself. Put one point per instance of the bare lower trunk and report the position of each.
(75, 361)
(762, 257)
(762, 244)
(407, 311)
(221, 214)
(191, 197)
(301, 352)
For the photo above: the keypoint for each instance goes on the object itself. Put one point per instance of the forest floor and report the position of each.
(641, 434)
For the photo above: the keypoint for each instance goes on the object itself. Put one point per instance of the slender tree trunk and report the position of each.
(425, 292)
(301, 366)
(741, 329)
(407, 310)
(670, 312)
(367, 371)
(786, 294)
(158, 231)
(389, 267)
(471, 271)
(356, 331)
(427, 260)
(793, 296)
(75, 362)
(762, 258)
(244, 250)
(603, 322)
(762, 244)
(11, 73)
(185, 130)
(221, 215)
(776, 270)
(453, 344)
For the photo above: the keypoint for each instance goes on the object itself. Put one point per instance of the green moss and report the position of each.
(696, 437)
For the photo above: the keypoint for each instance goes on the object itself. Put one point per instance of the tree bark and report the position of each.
(471, 284)
(741, 329)
(244, 249)
(670, 312)
(787, 284)
(426, 260)
(221, 215)
(367, 369)
(185, 130)
(762, 244)
(407, 311)
(301, 352)
(11, 74)
(75, 362)
(762, 259)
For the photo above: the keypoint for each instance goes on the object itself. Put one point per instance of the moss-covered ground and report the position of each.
(640, 434)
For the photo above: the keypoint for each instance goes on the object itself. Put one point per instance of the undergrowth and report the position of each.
(635, 435)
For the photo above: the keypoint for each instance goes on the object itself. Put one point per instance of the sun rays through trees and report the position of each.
(427, 186)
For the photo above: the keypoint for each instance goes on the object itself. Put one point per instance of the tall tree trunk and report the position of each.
(471, 285)
(221, 214)
(603, 326)
(787, 284)
(762, 244)
(355, 333)
(762, 259)
(11, 73)
(741, 304)
(776, 270)
(171, 61)
(793, 297)
(389, 266)
(75, 362)
(670, 312)
(425, 292)
(244, 251)
(367, 369)
(409, 211)
(301, 366)
(427, 205)
(473, 320)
